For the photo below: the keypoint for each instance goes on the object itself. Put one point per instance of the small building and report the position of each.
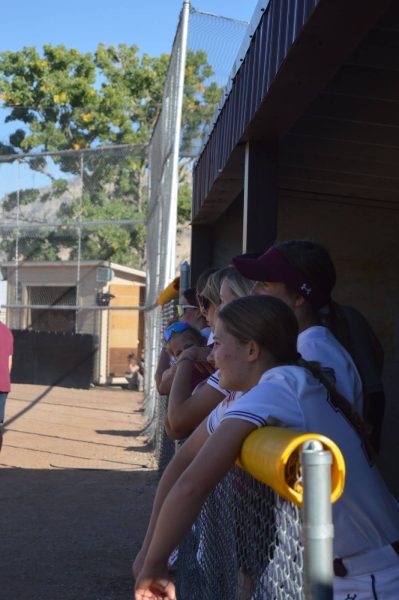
(94, 299)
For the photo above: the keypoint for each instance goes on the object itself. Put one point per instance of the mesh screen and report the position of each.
(74, 205)
(219, 38)
(164, 446)
(246, 544)
(157, 405)
(69, 207)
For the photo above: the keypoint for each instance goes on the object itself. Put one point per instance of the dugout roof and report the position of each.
(320, 80)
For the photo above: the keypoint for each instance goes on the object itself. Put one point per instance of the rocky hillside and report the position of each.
(39, 205)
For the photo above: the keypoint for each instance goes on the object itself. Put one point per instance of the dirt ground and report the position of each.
(77, 480)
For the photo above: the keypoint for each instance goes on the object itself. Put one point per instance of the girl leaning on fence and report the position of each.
(255, 351)
(302, 273)
(186, 410)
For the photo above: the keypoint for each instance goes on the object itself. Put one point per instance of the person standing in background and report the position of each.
(6, 352)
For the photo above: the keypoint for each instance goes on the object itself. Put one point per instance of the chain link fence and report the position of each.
(246, 544)
(164, 446)
(214, 40)
(72, 246)
(74, 205)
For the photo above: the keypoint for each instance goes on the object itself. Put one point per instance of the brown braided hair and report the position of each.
(273, 325)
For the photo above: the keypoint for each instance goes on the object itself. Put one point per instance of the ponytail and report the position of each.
(340, 402)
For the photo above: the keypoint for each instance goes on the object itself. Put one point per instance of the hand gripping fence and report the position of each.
(251, 540)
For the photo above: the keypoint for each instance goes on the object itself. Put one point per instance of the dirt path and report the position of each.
(76, 487)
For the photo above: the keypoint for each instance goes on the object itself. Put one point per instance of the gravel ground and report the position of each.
(77, 480)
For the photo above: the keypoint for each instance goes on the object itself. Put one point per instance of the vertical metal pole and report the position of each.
(246, 200)
(17, 299)
(172, 220)
(78, 298)
(184, 276)
(317, 521)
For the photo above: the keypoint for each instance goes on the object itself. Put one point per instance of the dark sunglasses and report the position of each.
(175, 328)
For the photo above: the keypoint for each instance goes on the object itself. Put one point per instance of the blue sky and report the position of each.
(82, 24)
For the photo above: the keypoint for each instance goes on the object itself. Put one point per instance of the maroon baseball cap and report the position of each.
(273, 266)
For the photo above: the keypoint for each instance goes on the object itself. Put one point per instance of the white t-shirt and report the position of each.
(366, 516)
(319, 344)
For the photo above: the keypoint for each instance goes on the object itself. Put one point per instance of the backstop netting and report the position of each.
(212, 41)
(65, 219)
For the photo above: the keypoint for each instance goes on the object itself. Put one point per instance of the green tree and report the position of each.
(61, 99)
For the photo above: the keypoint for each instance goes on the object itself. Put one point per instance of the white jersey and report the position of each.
(319, 344)
(213, 381)
(366, 516)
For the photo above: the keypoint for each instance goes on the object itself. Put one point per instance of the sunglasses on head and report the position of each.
(182, 307)
(175, 328)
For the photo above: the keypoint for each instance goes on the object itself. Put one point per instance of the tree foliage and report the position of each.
(60, 99)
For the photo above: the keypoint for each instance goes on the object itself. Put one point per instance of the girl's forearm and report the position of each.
(179, 511)
(163, 365)
(175, 468)
(181, 388)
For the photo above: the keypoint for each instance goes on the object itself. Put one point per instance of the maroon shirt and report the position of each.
(6, 350)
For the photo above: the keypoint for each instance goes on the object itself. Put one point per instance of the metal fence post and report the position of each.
(317, 520)
(184, 277)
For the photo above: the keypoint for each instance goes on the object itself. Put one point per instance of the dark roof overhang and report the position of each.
(297, 48)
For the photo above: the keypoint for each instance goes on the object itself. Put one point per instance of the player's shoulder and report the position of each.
(290, 378)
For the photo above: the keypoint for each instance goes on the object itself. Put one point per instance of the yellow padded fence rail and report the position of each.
(272, 455)
(170, 292)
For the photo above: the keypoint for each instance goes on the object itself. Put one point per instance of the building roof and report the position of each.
(74, 263)
(296, 50)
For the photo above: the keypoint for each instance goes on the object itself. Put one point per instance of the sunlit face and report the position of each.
(226, 295)
(277, 289)
(211, 313)
(229, 355)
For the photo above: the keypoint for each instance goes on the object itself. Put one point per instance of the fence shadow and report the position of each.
(71, 533)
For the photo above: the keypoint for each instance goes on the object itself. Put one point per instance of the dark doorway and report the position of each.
(51, 319)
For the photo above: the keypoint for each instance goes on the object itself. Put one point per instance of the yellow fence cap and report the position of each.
(170, 292)
(272, 455)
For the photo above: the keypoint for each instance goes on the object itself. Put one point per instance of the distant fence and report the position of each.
(48, 358)
(72, 231)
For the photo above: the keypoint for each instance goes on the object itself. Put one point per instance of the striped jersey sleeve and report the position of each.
(213, 381)
(268, 403)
